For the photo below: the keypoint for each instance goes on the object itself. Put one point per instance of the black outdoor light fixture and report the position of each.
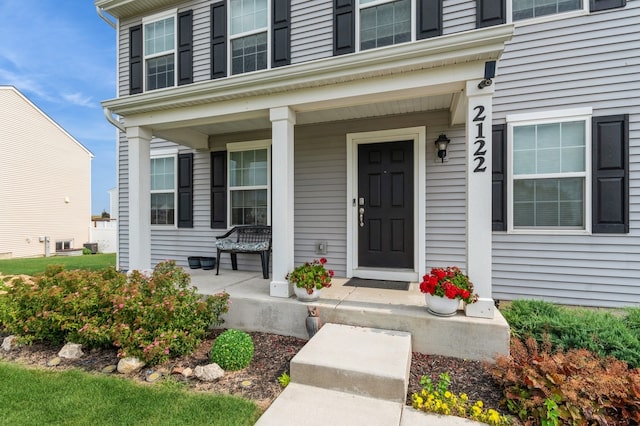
(441, 145)
(489, 73)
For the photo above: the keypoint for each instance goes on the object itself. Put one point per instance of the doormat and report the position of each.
(383, 284)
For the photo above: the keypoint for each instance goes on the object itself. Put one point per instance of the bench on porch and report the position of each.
(247, 239)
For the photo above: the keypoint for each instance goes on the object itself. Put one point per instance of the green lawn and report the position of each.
(37, 265)
(37, 397)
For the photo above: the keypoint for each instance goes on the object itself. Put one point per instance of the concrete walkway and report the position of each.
(350, 375)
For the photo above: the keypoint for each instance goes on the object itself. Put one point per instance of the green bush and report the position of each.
(151, 317)
(600, 332)
(232, 350)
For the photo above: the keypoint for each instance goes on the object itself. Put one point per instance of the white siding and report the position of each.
(588, 61)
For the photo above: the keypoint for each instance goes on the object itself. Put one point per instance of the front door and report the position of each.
(385, 205)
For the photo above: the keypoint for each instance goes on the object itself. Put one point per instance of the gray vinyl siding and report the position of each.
(587, 61)
(311, 30)
(123, 202)
(458, 16)
(201, 39)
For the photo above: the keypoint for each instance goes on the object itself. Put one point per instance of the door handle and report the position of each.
(361, 211)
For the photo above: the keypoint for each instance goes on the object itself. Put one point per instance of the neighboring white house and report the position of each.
(322, 119)
(45, 175)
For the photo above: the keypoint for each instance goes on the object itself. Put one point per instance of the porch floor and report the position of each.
(253, 309)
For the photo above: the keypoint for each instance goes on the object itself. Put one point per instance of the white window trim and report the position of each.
(231, 37)
(165, 153)
(148, 20)
(359, 7)
(546, 18)
(544, 117)
(249, 146)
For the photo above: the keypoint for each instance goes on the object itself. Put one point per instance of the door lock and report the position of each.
(361, 211)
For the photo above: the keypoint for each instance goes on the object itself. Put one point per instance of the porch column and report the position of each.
(478, 127)
(283, 120)
(139, 198)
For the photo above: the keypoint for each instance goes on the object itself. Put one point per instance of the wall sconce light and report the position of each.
(441, 146)
(489, 73)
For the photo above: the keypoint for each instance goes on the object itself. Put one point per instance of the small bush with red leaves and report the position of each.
(587, 389)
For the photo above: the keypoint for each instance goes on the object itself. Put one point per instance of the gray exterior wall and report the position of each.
(587, 61)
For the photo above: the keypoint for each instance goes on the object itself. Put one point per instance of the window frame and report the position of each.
(155, 155)
(376, 3)
(551, 117)
(173, 13)
(64, 242)
(231, 37)
(248, 146)
(546, 18)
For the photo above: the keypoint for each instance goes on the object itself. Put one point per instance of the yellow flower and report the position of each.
(464, 397)
(447, 394)
(479, 404)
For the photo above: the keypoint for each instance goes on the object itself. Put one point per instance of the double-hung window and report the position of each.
(163, 190)
(384, 22)
(249, 183)
(528, 9)
(249, 23)
(550, 169)
(160, 51)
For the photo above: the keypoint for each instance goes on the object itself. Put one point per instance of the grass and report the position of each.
(38, 397)
(37, 265)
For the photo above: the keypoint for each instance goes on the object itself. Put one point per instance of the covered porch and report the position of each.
(253, 309)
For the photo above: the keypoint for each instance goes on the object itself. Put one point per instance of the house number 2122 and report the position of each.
(479, 142)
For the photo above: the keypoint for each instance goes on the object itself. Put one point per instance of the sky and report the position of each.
(62, 56)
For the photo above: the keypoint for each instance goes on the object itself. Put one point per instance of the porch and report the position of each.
(253, 309)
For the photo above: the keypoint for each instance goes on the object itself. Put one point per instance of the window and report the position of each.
(527, 9)
(159, 53)
(63, 245)
(249, 177)
(384, 22)
(550, 160)
(163, 195)
(249, 25)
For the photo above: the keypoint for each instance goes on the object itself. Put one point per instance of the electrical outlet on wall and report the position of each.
(321, 247)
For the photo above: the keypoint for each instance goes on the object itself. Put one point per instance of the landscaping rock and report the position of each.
(209, 373)
(54, 362)
(153, 376)
(8, 343)
(109, 369)
(130, 365)
(71, 351)
(187, 372)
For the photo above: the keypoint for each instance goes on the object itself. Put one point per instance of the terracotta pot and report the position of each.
(441, 306)
(303, 296)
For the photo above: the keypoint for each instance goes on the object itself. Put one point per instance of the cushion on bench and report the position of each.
(228, 244)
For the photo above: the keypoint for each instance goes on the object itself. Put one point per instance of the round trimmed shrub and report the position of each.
(232, 350)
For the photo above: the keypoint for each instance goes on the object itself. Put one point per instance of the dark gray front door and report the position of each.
(385, 205)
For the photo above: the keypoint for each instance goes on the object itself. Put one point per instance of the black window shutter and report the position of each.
(135, 60)
(281, 51)
(610, 181)
(219, 189)
(499, 178)
(429, 18)
(344, 24)
(185, 190)
(597, 5)
(490, 12)
(185, 47)
(219, 39)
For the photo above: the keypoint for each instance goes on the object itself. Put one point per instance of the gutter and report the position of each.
(109, 116)
(101, 14)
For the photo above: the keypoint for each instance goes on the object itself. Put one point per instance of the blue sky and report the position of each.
(61, 56)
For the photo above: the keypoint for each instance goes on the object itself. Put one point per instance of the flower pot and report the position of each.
(441, 306)
(194, 262)
(303, 296)
(208, 263)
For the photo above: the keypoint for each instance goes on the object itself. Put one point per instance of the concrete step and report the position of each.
(363, 361)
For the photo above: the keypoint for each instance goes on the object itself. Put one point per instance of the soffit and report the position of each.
(125, 8)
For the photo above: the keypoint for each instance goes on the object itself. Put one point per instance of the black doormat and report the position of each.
(383, 284)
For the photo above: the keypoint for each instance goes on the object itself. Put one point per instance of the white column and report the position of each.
(283, 120)
(478, 126)
(139, 139)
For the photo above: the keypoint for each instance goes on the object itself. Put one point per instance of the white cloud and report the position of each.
(79, 99)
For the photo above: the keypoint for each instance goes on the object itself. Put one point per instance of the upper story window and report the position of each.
(249, 23)
(384, 22)
(550, 182)
(163, 190)
(249, 183)
(159, 52)
(528, 9)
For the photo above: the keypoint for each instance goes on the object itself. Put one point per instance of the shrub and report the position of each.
(574, 387)
(599, 332)
(232, 350)
(152, 317)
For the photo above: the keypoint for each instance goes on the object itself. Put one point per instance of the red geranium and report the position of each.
(448, 282)
(311, 275)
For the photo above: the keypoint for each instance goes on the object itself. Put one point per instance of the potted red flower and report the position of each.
(310, 278)
(444, 288)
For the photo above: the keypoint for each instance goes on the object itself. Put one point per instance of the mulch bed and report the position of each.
(259, 381)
